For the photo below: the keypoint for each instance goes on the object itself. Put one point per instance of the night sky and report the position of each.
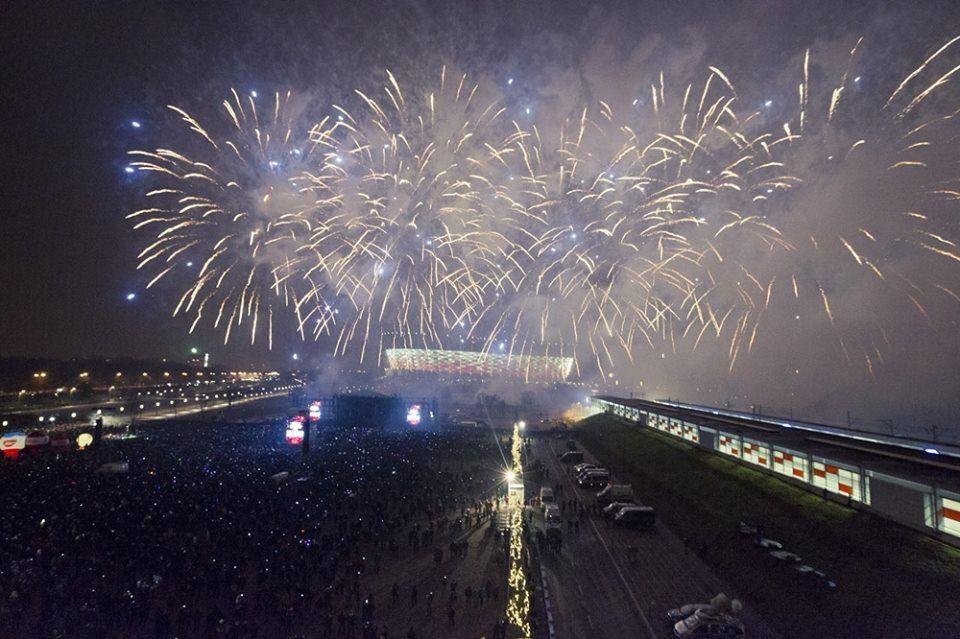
(77, 74)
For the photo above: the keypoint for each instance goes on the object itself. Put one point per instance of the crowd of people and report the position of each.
(225, 530)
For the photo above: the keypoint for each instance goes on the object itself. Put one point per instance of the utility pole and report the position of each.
(306, 433)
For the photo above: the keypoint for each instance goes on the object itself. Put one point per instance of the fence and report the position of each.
(924, 507)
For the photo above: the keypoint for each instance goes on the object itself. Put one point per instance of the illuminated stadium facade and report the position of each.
(540, 369)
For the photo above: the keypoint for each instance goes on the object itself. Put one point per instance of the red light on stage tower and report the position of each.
(414, 415)
(295, 431)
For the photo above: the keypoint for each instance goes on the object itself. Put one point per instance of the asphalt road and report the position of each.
(596, 591)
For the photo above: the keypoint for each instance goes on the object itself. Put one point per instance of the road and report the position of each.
(213, 407)
(596, 591)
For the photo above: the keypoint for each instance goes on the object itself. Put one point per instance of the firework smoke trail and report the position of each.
(228, 216)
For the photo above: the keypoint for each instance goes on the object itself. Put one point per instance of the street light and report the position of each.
(511, 476)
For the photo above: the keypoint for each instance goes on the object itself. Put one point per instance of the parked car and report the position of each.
(586, 471)
(615, 492)
(546, 496)
(611, 510)
(681, 613)
(636, 517)
(551, 517)
(705, 624)
(572, 457)
(721, 604)
(594, 479)
(583, 466)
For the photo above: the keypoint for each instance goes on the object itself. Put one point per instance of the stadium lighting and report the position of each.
(533, 368)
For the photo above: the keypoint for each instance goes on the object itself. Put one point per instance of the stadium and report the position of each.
(474, 365)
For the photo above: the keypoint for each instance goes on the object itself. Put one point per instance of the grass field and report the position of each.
(892, 581)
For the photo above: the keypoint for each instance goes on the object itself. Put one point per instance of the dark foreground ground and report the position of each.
(198, 540)
(892, 582)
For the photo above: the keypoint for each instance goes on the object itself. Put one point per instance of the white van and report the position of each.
(546, 496)
(615, 492)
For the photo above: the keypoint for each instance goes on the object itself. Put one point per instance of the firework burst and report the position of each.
(230, 214)
(430, 217)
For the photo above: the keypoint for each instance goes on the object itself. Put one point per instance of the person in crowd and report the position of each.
(203, 538)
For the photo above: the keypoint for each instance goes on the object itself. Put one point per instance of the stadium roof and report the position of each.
(460, 364)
